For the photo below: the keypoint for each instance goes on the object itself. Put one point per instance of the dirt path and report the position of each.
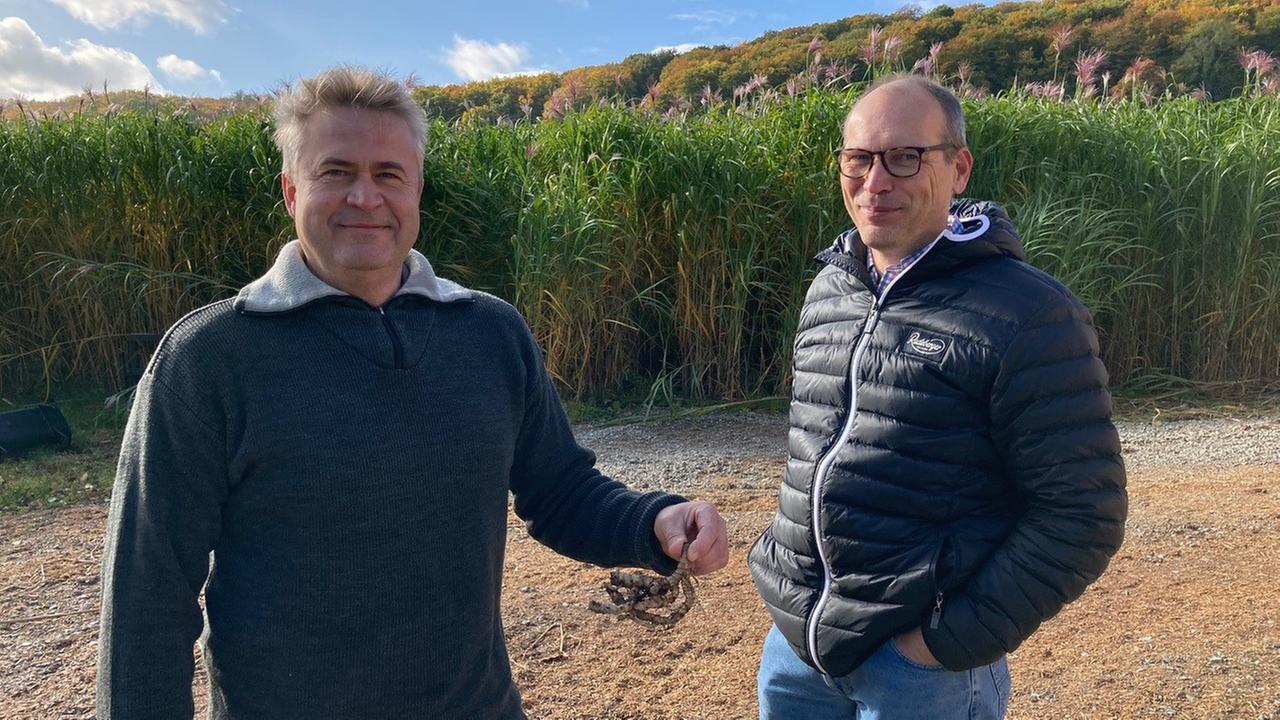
(1185, 624)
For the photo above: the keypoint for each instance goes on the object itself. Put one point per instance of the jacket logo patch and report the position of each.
(925, 347)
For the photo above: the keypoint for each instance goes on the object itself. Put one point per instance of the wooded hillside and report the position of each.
(1192, 46)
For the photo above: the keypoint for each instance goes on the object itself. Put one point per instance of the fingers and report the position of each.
(669, 527)
(699, 524)
(715, 558)
(674, 545)
(709, 550)
(702, 519)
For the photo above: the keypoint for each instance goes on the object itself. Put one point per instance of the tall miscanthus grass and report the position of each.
(113, 223)
(703, 215)
(1165, 220)
(668, 254)
(673, 252)
(575, 273)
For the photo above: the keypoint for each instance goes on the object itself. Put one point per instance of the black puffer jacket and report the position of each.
(957, 437)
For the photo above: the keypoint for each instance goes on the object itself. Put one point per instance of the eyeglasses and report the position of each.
(902, 162)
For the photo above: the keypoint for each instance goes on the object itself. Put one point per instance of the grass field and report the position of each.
(659, 257)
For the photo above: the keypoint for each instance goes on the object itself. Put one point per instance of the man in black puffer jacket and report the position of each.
(954, 477)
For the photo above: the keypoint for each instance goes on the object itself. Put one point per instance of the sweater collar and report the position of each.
(290, 284)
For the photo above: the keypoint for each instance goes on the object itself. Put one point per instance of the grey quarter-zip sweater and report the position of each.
(335, 477)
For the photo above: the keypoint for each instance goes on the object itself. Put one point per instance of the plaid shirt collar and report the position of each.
(893, 271)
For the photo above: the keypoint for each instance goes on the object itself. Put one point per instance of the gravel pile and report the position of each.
(747, 450)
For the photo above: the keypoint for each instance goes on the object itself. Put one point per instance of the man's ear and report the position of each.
(290, 193)
(964, 166)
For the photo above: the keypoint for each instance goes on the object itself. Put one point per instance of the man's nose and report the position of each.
(364, 193)
(877, 179)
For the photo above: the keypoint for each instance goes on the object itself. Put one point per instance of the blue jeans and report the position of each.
(887, 686)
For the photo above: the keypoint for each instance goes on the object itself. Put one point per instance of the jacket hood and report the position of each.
(983, 230)
(290, 284)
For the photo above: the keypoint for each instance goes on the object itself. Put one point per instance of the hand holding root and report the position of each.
(634, 594)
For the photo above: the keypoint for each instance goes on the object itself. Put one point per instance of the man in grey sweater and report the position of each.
(332, 451)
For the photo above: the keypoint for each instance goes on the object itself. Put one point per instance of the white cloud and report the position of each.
(707, 18)
(105, 14)
(479, 60)
(679, 49)
(36, 71)
(182, 69)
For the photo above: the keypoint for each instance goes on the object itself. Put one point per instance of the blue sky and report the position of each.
(54, 48)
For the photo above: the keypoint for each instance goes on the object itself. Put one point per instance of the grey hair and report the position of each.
(952, 111)
(342, 87)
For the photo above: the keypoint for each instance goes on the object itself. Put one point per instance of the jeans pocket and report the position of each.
(902, 658)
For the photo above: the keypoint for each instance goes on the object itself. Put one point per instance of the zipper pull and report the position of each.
(937, 613)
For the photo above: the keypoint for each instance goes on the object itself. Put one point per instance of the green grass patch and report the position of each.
(48, 478)
(82, 473)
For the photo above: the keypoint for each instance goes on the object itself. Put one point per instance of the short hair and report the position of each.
(342, 87)
(952, 111)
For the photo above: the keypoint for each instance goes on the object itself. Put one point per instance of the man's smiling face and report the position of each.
(897, 215)
(354, 195)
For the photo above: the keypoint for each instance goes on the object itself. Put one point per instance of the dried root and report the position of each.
(634, 594)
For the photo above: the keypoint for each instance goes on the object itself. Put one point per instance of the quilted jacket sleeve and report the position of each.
(1051, 422)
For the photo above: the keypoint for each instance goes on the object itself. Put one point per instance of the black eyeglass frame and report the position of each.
(920, 151)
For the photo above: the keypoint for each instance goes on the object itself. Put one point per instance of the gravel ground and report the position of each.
(724, 451)
(1218, 443)
(1185, 623)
